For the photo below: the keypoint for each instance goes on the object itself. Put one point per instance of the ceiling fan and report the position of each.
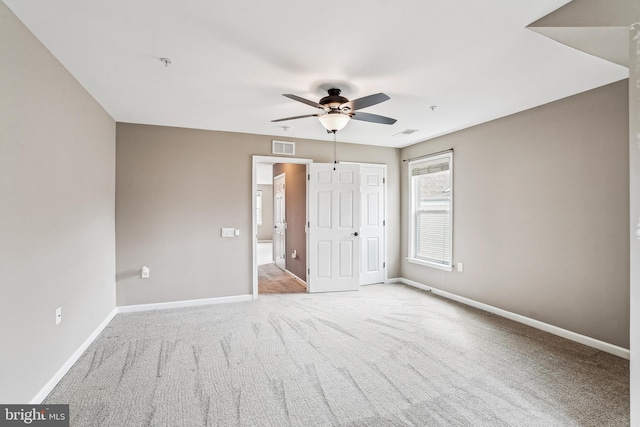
(338, 110)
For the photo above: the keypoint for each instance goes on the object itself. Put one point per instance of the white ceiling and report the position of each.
(233, 60)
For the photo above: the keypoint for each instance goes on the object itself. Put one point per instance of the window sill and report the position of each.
(430, 264)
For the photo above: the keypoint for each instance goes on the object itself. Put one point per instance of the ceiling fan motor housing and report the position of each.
(333, 100)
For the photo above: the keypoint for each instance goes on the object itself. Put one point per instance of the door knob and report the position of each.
(355, 234)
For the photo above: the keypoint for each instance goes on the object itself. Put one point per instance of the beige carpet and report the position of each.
(387, 355)
(272, 280)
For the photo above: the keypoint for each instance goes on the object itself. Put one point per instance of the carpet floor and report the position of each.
(388, 355)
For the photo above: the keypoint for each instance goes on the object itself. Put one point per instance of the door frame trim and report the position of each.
(254, 220)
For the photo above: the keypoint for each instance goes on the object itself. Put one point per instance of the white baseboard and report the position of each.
(180, 304)
(44, 391)
(295, 277)
(573, 336)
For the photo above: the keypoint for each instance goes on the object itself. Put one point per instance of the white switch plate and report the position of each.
(459, 266)
(144, 272)
(227, 232)
(58, 315)
(236, 232)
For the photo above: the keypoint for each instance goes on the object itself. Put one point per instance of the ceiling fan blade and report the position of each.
(368, 117)
(304, 101)
(366, 101)
(295, 117)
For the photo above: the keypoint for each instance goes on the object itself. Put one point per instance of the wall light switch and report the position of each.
(460, 266)
(227, 232)
(144, 272)
(236, 232)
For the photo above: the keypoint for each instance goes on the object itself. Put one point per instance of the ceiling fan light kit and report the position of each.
(334, 121)
(338, 110)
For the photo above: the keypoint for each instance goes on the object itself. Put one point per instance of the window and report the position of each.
(431, 190)
(259, 207)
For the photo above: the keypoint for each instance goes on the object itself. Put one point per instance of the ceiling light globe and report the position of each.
(334, 121)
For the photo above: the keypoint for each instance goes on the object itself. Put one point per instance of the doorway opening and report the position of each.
(279, 187)
(372, 225)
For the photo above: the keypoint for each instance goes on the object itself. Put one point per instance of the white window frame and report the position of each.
(413, 216)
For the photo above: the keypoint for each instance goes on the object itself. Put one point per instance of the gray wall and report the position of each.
(265, 231)
(176, 188)
(541, 208)
(57, 180)
(634, 153)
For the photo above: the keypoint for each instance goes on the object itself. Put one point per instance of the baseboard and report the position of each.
(180, 304)
(44, 391)
(295, 277)
(573, 336)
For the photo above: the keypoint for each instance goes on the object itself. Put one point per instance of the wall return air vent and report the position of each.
(283, 147)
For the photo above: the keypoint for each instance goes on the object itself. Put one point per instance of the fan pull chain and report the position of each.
(335, 160)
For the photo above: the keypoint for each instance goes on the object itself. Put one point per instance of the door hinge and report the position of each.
(384, 180)
(384, 265)
(308, 177)
(308, 271)
(309, 224)
(384, 222)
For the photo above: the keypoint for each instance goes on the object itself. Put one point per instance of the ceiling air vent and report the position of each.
(283, 147)
(406, 132)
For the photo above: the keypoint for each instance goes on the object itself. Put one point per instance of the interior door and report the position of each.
(372, 224)
(334, 222)
(280, 224)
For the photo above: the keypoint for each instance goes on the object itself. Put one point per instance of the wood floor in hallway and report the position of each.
(272, 280)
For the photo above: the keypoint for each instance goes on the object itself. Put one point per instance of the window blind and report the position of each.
(433, 238)
(427, 169)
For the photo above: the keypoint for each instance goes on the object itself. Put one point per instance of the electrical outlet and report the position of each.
(460, 267)
(144, 272)
(58, 315)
